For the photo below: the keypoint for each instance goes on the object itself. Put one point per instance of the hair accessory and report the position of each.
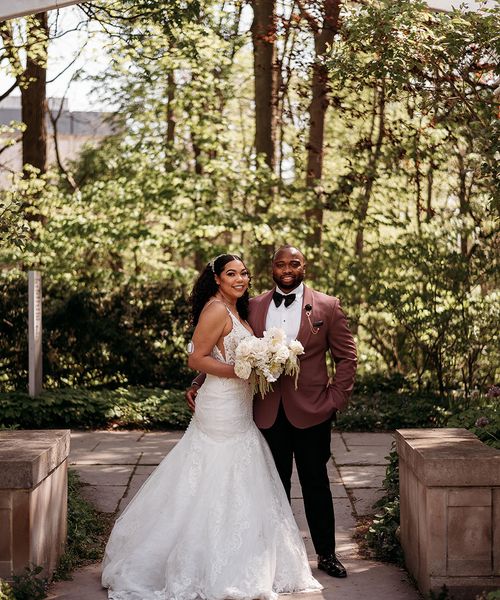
(212, 262)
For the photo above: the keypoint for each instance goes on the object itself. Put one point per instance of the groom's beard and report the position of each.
(291, 285)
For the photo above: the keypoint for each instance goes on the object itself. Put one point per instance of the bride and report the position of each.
(213, 521)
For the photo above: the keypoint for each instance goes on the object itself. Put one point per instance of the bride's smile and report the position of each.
(233, 281)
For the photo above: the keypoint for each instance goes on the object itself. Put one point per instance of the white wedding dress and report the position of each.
(212, 521)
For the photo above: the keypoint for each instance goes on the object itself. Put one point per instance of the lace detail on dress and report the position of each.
(231, 341)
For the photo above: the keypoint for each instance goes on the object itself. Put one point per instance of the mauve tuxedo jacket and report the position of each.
(315, 398)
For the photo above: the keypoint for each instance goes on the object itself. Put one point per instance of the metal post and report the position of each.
(35, 332)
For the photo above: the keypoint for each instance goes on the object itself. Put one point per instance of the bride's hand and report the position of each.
(190, 396)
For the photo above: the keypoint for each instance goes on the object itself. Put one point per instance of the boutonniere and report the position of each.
(314, 326)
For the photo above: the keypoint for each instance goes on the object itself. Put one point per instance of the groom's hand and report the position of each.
(190, 396)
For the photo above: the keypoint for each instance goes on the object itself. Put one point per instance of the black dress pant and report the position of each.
(311, 449)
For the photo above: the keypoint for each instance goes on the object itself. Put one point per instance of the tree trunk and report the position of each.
(371, 171)
(170, 134)
(266, 107)
(33, 95)
(54, 119)
(266, 79)
(418, 178)
(463, 200)
(430, 181)
(170, 107)
(323, 37)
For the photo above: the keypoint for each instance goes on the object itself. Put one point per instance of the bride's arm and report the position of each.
(214, 323)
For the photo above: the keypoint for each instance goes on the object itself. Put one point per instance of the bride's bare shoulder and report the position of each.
(214, 309)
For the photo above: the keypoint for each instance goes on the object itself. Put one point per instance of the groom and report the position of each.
(297, 423)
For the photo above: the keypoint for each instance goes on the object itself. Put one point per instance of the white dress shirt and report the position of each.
(287, 317)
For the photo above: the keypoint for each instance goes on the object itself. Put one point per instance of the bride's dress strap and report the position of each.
(216, 300)
(231, 314)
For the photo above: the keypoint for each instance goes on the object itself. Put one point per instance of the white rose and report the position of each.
(276, 370)
(275, 335)
(282, 354)
(296, 347)
(242, 369)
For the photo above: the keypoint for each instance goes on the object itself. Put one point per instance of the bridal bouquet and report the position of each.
(263, 360)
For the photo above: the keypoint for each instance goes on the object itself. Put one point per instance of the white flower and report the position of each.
(243, 369)
(275, 335)
(263, 360)
(282, 354)
(296, 348)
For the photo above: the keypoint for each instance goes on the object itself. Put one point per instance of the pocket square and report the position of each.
(317, 323)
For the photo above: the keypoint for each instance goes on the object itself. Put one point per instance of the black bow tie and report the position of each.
(278, 298)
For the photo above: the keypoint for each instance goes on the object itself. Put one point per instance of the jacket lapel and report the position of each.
(259, 321)
(305, 328)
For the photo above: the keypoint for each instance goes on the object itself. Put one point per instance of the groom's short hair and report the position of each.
(286, 247)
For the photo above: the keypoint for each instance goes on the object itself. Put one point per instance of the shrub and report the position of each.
(383, 534)
(6, 592)
(133, 335)
(91, 408)
(391, 410)
(481, 415)
(29, 585)
(495, 595)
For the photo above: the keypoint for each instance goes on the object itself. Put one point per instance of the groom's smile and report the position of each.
(289, 268)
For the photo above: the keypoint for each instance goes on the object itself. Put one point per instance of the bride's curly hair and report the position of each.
(205, 288)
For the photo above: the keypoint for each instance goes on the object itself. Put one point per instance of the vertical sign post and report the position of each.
(35, 332)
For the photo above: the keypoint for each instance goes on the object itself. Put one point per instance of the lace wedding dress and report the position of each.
(212, 521)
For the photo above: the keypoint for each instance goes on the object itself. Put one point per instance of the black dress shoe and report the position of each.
(331, 565)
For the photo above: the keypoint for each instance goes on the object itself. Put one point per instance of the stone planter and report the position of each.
(450, 510)
(33, 499)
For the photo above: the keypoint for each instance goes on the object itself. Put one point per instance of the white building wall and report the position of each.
(75, 129)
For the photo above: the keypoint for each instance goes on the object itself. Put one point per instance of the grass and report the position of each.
(88, 530)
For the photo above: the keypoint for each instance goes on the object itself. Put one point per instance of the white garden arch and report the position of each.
(19, 8)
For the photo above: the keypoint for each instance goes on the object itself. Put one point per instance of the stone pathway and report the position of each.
(115, 464)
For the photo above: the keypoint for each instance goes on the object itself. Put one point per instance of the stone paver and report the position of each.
(362, 455)
(368, 439)
(85, 585)
(348, 450)
(105, 498)
(363, 500)
(368, 476)
(116, 464)
(105, 474)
